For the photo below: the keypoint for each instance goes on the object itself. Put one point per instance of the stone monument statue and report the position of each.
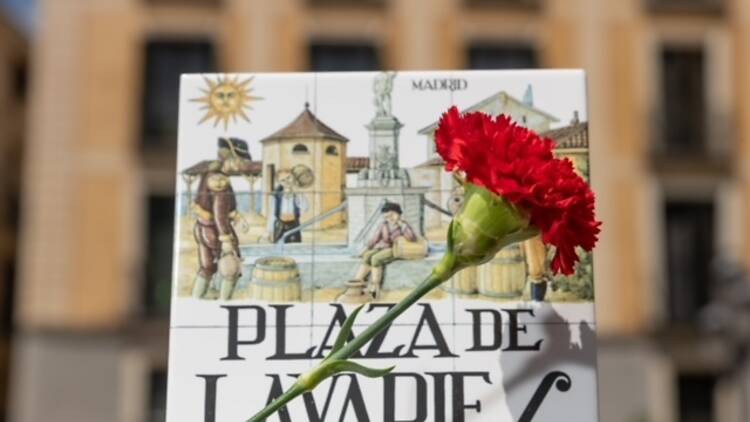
(382, 86)
(384, 128)
(384, 179)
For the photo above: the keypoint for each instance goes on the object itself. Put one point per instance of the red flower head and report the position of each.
(517, 164)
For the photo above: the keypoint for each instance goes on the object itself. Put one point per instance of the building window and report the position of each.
(332, 56)
(160, 231)
(157, 398)
(20, 80)
(347, 3)
(696, 397)
(686, 6)
(8, 277)
(165, 61)
(689, 252)
(521, 4)
(487, 55)
(332, 150)
(684, 100)
(203, 3)
(9, 225)
(300, 149)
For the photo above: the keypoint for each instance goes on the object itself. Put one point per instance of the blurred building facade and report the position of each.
(13, 69)
(670, 143)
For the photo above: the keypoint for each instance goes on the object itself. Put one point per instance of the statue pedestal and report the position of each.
(363, 210)
(384, 170)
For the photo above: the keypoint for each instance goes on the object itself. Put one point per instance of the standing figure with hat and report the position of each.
(215, 208)
(379, 252)
(288, 203)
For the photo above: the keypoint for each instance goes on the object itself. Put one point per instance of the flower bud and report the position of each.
(485, 224)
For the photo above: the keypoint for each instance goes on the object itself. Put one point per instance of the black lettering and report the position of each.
(559, 379)
(476, 325)
(439, 394)
(209, 401)
(233, 340)
(453, 84)
(428, 317)
(338, 320)
(354, 396)
(514, 328)
(419, 399)
(281, 352)
(312, 408)
(276, 391)
(458, 394)
(373, 351)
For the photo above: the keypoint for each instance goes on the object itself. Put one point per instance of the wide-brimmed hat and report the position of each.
(237, 146)
(391, 206)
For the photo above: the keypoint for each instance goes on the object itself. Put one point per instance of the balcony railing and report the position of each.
(710, 149)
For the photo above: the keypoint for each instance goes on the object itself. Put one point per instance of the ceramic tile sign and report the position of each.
(301, 196)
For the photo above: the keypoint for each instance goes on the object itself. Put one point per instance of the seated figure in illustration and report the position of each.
(215, 209)
(379, 252)
(288, 204)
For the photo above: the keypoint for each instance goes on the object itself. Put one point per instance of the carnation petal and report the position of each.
(518, 164)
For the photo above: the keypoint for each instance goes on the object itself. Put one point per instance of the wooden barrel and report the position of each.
(463, 283)
(276, 279)
(405, 249)
(505, 275)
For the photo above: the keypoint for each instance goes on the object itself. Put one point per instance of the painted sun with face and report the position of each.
(225, 99)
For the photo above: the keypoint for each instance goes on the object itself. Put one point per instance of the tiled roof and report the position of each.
(575, 135)
(355, 164)
(306, 125)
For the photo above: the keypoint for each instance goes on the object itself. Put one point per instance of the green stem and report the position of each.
(357, 342)
(442, 272)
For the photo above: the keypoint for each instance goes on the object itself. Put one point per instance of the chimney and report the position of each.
(528, 96)
(575, 120)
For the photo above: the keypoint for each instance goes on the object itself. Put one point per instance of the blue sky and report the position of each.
(21, 12)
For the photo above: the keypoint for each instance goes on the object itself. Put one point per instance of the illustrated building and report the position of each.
(520, 110)
(430, 173)
(312, 143)
(572, 142)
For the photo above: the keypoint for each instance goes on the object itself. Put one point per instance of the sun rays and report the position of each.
(225, 99)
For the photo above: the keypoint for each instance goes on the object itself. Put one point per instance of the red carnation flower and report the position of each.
(518, 165)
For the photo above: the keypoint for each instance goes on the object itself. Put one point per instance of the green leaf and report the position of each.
(449, 238)
(346, 329)
(349, 366)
